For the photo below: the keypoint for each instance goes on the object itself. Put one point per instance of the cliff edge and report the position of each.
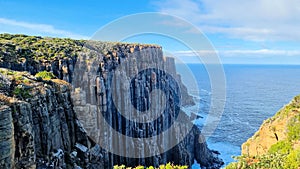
(277, 142)
(52, 90)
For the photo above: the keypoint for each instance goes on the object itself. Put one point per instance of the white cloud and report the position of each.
(41, 28)
(238, 53)
(262, 52)
(257, 20)
(193, 53)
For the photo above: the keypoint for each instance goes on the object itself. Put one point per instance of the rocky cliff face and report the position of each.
(38, 123)
(101, 88)
(276, 145)
(276, 129)
(39, 126)
(49, 123)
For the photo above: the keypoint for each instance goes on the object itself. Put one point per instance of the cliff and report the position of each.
(37, 121)
(277, 142)
(50, 122)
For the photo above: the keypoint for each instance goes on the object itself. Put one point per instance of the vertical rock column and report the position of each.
(6, 138)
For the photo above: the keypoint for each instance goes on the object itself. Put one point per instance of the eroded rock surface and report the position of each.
(49, 123)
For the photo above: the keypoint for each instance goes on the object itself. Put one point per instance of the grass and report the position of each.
(282, 147)
(294, 128)
(21, 93)
(45, 75)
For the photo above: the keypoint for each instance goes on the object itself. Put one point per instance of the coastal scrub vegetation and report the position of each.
(285, 154)
(20, 92)
(23, 48)
(45, 75)
(268, 161)
(20, 48)
(167, 166)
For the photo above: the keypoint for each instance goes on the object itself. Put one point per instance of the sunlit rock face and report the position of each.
(119, 86)
(37, 121)
(53, 123)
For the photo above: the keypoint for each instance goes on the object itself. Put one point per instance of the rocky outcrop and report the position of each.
(38, 124)
(33, 56)
(101, 86)
(275, 129)
(7, 137)
(47, 121)
(276, 144)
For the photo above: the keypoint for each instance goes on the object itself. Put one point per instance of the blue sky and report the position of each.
(256, 32)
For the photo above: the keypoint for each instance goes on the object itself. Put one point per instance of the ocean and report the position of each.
(253, 94)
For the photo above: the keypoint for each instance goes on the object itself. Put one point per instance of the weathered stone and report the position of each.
(113, 88)
(49, 121)
(35, 132)
(6, 138)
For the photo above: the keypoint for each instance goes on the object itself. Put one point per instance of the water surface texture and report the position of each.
(253, 94)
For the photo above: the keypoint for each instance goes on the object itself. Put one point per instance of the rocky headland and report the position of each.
(276, 145)
(51, 91)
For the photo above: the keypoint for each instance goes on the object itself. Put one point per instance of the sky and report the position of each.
(242, 32)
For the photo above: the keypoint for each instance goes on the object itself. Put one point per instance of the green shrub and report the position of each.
(294, 129)
(267, 161)
(282, 147)
(167, 166)
(21, 93)
(233, 165)
(140, 167)
(293, 160)
(46, 75)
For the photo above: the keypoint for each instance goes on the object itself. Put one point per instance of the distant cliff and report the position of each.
(277, 142)
(44, 121)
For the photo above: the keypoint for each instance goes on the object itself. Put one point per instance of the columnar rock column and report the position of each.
(7, 147)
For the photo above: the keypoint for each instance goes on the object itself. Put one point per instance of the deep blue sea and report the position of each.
(253, 94)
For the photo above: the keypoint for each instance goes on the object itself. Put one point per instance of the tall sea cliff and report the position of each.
(52, 91)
